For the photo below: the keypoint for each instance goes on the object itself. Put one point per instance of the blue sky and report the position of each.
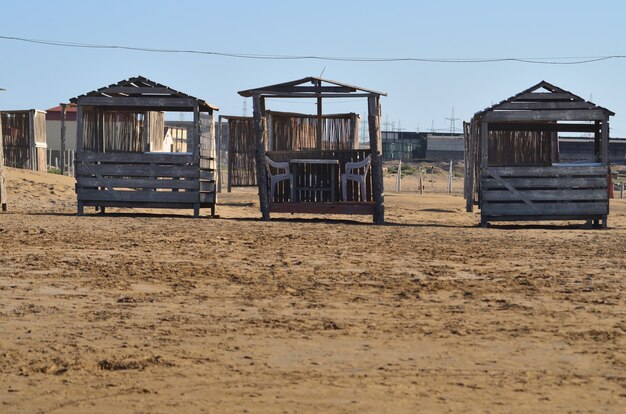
(420, 94)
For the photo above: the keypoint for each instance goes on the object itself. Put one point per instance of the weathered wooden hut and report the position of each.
(512, 159)
(115, 166)
(312, 181)
(24, 133)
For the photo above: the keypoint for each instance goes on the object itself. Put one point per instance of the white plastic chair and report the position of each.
(278, 176)
(352, 173)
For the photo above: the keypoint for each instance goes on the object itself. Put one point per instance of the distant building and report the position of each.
(53, 131)
(582, 149)
(403, 145)
(444, 147)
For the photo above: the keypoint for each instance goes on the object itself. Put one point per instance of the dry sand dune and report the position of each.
(166, 313)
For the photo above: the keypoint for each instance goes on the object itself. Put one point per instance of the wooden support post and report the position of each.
(79, 145)
(63, 129)
(597, 141)
(320, 119)
(554, 147)
(31, 141)
(399, 177)
(484, 163)
(377, 164)
(421, 183)
(260, 156)
(604, 146)
(470, 164)
(218, 151)
(3, 190)
(621, 191)
(354, 132)
(145, 135)
(450, 178)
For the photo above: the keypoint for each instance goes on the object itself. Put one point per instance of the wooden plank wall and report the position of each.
(545, 192)
(208, 189)
(241, 152)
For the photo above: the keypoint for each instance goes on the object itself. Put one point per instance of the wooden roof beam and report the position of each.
(553, 115)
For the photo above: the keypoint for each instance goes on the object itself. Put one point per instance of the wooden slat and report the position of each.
(271, 94)
(139, 170)
(323, 208)
(544, 217)
(140, 196)
(538, 96)
(130, 90)
(546, 105)
(125, 204)
(140, 102)
(554, 209)
(543, 182)
(318, 89)
(572, 171)
(136, 157)
(548, 195)
(521, 126)
(138, 183)
(552, 115)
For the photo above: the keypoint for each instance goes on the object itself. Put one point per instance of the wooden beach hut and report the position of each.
(115, 166)
(24, 133)
(512, 162)
(327, 174)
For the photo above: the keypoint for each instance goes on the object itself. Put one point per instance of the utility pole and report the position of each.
(245, 107)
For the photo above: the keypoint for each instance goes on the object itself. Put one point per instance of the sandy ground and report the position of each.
(166, 313)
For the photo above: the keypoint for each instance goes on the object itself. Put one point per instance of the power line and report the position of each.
(571, 60)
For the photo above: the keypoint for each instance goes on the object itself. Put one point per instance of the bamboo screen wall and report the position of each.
(156, 132)
(241, 152)
(112, 131)
(16, 139)
(40, 127)
(522, 148)
(295, 132)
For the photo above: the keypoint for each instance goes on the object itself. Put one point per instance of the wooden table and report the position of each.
(313, 178)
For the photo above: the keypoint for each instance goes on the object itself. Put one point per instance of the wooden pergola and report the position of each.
(512, 159)
(115, 166)
(318, 89)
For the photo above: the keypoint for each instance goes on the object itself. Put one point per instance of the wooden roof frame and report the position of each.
(142, 93)
(555, 105)
(300, 88)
